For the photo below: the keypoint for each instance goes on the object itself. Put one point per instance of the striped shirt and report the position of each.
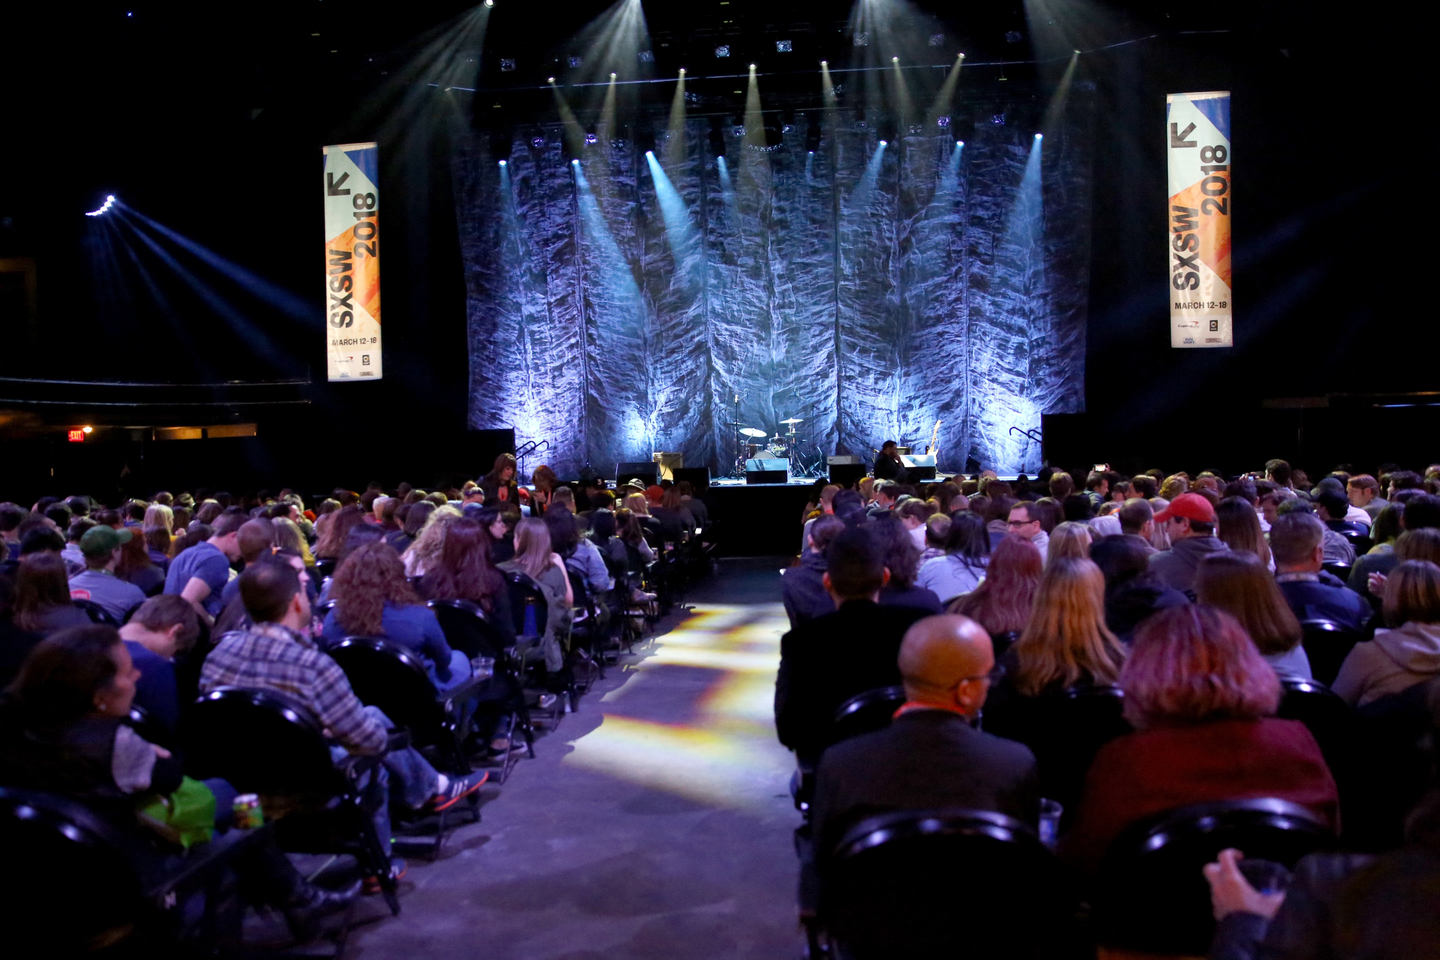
(271, 657)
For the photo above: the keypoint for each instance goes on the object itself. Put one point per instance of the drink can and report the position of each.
(248, 814)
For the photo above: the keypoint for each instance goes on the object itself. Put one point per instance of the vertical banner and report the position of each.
(1198, 156)
(352, 261)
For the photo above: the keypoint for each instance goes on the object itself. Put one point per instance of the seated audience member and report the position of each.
(1312, 593)
(409, 527)
(336, 531)
(15, 642)
(1421, 512)
(1003, 602)
(534, 558)
(1364, 494)
(75, 557)
(274, 655)
(11, 516)
(138, 567)
(465, 572)
(1025, 521)
(163, 628)
(1065, 645)
(1069, 539)
(849, 506)
(678, 505)
(1189, 521)
(579, 554)
(1137, 519)
(101, 546)
(424, 553)
(564, 497)
(373, 599)
(1237, 525)
(902, 559)
(672, 523)
(1407, 651)
(61, 731)
(255, 539)
(825, 661)
(961, 569)
(930, 757)
(1238, 585)
(696, 506)
(288, 536)
(42, 596)
(1337, 549)
(802, 588)
(912, 515)
(1341, 904)
(200, 573)
(1331, 505)
(1132, 591)
(937, 528)
(629, 550)
(1340, 508)
(1202, 702)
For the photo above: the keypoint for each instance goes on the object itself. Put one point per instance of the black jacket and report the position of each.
(925, 760)
(803, 590)
(1327, 599)
(828, 660)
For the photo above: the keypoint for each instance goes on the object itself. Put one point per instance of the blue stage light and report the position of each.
(104, 208)
(1039, 136)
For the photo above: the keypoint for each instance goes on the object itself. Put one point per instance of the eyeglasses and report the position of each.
(1021, 523)
(994, 676)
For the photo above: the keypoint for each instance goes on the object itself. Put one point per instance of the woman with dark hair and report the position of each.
(332, 539)
(579, 554)
(62, 732)
(499, 484)
(1202, 702)
(962, 567)
(497, 523)
(42, 597)
(373, 598)
(1132, 592)
(158, 542)
(1003, 602)
(136, 567)
(416, 514)
(464, 571)
(1237, 584)
(902, 559)
(543, 483)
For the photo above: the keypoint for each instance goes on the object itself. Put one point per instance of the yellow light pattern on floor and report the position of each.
(729, 755)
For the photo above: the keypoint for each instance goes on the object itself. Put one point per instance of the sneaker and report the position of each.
(456, 789)
(311, 905)
(546, 701)
(398, 869)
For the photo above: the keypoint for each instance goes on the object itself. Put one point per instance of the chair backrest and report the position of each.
(78, 885)
(96, 613)
(866, 712)
(325, 568)
(1341, 570)
(528, 606)
(1360, 541)
(1327, 643)
(261, 741)
(1393, 762)
(323, 608)
(1002, 642)
(467, 628)
(1152, 896)
(920, 884)
(394, 678)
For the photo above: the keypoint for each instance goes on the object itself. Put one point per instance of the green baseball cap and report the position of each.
(101, 540)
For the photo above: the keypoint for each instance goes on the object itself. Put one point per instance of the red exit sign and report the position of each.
(76, 436)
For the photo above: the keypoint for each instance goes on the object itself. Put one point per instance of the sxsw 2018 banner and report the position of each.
(352, 261)
(1198, 155)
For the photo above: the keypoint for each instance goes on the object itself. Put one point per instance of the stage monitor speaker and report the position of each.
(846, 475)
(767, 470)
(699, 477)
(668, 462)
(643, 470)
(919, 466)
(844, 460)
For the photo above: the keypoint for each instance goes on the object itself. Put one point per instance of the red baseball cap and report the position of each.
(1191, 506)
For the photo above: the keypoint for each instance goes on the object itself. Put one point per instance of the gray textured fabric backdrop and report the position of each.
(939, 290)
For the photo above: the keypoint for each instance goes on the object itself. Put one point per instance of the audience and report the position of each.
(1132, 591)
(1189, 522)
(465, 572)
(1311, 592)
(98, 583)
(931, 757)
(42, 595)
(1025, 521)
(200, 573)
(1407, 650)
(803, 588)
(1202, 702)
(1237, 584)
(1003, 602)
(162, 629)
(546, 569)
(962, 567)
(902, 559)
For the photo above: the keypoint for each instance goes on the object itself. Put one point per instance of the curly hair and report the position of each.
(369, 577)
(424, 553)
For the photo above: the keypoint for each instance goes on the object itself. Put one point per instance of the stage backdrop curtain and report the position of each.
(869, 297)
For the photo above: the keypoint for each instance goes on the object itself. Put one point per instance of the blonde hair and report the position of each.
(1069, 539)
(637, 504)
(289, 537)
(159, 515)
(1066, 640)
(424, 553)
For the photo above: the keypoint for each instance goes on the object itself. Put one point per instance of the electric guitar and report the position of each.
(934, 441)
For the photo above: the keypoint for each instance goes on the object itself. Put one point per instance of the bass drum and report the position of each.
(778, 450)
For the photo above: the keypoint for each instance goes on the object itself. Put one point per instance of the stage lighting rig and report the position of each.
(507, 65)
(104, 208)
(862, 40)
(723, 50)
(937, 39)
(646, 56)
(575, 62)
(783, 46)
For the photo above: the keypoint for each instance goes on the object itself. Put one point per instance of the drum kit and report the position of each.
(804, 460)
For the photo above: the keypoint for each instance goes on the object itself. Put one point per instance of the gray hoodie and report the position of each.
(1394, 661)
(1176, 567)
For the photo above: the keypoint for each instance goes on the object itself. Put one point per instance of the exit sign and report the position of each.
(76, 436)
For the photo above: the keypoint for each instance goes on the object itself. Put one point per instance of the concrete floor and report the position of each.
(654, 823)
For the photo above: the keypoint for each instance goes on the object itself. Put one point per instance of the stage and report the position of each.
(757, 519)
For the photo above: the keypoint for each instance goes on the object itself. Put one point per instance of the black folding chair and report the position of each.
(467, 628)
(1360, 541)
(325, 568)
(946, 883)
(1341, 570)
(1327, 643)
(96, 613)
(863, 713)
(1334, 726)
(267, 743)
(1002, 642)
(530, 612)
(119, 891)
(1151, 895)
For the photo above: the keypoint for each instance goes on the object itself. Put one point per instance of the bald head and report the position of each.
(943, 661)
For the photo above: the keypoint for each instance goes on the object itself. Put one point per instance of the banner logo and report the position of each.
(352, 261)
(1198, 245)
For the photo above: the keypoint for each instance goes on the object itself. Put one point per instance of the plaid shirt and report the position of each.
(271, 657)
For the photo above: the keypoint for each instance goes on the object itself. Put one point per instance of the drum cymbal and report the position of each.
(794, 420)
(751, 432)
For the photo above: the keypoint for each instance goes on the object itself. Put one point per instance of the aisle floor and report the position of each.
(654, 823)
